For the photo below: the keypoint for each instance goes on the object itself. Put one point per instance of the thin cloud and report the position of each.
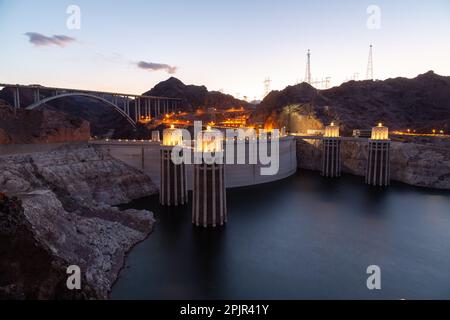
(151, 66)
(41, 40)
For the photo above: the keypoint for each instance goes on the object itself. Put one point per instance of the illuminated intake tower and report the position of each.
(331, 152)
(377, 170)
(209, 208)
(173, 186)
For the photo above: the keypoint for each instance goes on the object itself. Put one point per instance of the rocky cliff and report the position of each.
(411, 163)
(57, 210)
(40, 126)
(422, 104)
(102, 118)
(195, 97)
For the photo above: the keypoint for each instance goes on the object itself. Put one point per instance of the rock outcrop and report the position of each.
(195, 97)
(422, 104)
(102, 118)
(411, 163)
(57, 211)
(40, 126)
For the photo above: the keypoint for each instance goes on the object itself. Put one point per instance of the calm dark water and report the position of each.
(303, 237)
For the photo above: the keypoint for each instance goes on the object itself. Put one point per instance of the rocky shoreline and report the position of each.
(57, 209)
(415, 164)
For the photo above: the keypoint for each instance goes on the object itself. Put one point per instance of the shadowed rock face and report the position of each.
(103, 119)
(40, 126)
(412, 163)
(106, 122)
(195, 97)
(422, 103)
(28, 268)
(63, 216)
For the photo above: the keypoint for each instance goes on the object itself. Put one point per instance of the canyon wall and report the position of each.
(40, 126)
(56, 210)
(421, 103)
(411, 163)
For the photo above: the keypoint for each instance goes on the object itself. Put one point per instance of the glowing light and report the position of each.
(269, 126)
(380, 132)
(331, 131)
(172, 136)
(209, 141)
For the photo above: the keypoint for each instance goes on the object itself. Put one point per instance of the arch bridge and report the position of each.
(131, 106)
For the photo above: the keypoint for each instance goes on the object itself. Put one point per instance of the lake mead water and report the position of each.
(305, 237)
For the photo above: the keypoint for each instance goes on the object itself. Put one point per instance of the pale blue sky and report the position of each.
(230, 45)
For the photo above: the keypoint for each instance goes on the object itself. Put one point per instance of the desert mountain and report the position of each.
(195, 97)
(421, 103)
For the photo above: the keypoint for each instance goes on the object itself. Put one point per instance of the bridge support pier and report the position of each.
(138, 104)
(16, 94)
(146, 108)
(36, 95)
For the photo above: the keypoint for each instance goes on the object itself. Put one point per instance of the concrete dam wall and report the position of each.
(145, 156)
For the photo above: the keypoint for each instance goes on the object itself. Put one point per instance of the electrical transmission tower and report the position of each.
(266, 82)
(321, 84)
(308, 68)
(369, 75)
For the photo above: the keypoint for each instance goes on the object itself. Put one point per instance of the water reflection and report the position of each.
(304, 237)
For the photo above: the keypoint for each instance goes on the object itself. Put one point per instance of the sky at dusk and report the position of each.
(129, 46)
